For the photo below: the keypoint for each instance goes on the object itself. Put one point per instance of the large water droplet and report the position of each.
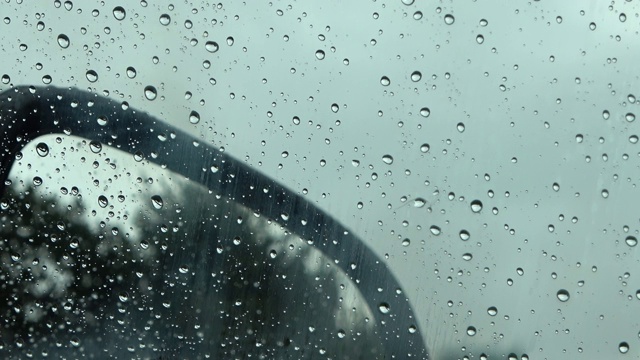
(464, 235)
(471, 331)
(631, 241)
(424, 148)
(384, 308)
(419, 202)
(385, 81)
(211, 46)
(563, 295)
(408, 2)
(492, 311)
(416, 76)
(476, 206)
(63, 41)
(435, 230)
(630, 117)
(165, 19)
(157, 202)
(320, 54)
(194, 117)
(103, 201)
(131, 72)
(119, 13)
(42, 149)
(388, 159)
(425, 112)
(95, 147)
(449, 19)
(92, 76)
(623, 347)
(150, 92)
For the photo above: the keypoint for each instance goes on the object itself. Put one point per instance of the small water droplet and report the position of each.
(460, 127)
(424, 148)
(335, 108)
(449, 19)
(492, 311)
(630, 117)
(387, 159)
(211, 46)
(385, 81)
(320, 54)
(150, 92)
(480, 39)
(417, 15)
(165, 19)
(471, 331)
(435, 230)
(563, 295)
(406, 242)
(157, 202)
(464, 235)
(119, 13)
(416, 76)
(592, 26)
(606, 114)
(408, 2)
(92, 76)
(63, 41)
(42, 149)
(273, 254)
(467, 256)
(194, 117)
(425, 112)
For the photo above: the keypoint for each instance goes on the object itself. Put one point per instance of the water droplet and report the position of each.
(592, 26)
(460, 127)
(211, 46)
(416, 76)
(419, 202)
(123, 296)
(484, 22)
(623, 347)
(631, 98)
(622, 17)
(63, 41)
(320, 54)
(471, 331)
(435, 230)
(119, 13)
(424, 148)
(92, 76)
(37, 181)
(388, 159)
(384, 308)
(417, 15)
(492, 311)
(335, 108)
(165, 19)
(605, 193)
(425, 112)
(480, 39)
(194, 117)
(273, 254)
(467, 256)
(131, 72)
(476, 206)
(631, 241)
(103, 201)
(95, 147)
(157, 202)
(42, 149)
(183, 269)
(230, 41)
(406, 242)
(606, 114)
(385, 81)
(102, 120)
(150, 92)
(449, 19)
(408, 2)
(630, 117)
(563, 295)
(464, 235)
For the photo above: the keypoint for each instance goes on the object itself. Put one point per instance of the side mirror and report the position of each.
(29, 112)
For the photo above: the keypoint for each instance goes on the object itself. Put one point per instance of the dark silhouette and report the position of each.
(29, 112)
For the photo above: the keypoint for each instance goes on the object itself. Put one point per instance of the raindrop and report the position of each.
(631, 98)
(623, 347)
(211, 46)
(406, 242)
(449, 19)
(165, 19)
(630, 117)
(592, 26)
(464, 235)
(563, 295)
(95, 147)
(319, 54)
(435, 230)
(605, 193)
(484, 22)
(425, 112)
(384, 308)
(92, 76)
(388, 159)
(63, 41)
(335, 108)
(480, 39)
(194, 117)
(622, 17)
(150, 92)
(460, 127)
(119, 13)
(103, 201)
(493, 311)
(273, 254)
(102, 120)
(157, 202)
(385, 81)
(476, 206)
(471, 331)
(467, 256)
(424, 147)
(631, 241)
(123, 296)
(42, 149)
(230, 41)
(419, 202)
(606, 114)
(408, 2)
(131, 72)
(417, 15)
(416, 76)
(37, 181)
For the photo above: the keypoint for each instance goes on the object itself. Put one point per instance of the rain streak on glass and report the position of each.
(119, 13)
